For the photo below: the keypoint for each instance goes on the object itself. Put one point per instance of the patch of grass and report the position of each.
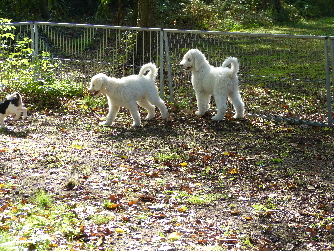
(167, 156)
(43, 199)
(196, 199)
(316, 26)
(100, 219)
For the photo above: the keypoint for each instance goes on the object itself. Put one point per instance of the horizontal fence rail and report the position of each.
(281, 76)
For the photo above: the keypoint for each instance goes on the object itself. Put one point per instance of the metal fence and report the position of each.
(281, 76)
(81, 50)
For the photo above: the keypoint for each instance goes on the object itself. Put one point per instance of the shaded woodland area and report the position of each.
(184, 14)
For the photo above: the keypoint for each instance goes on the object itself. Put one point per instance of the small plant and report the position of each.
(43, 199)
(162, 157)
(195, 199)
(100, 219)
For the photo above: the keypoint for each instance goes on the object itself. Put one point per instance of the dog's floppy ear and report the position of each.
(99, 81)
(199, 59)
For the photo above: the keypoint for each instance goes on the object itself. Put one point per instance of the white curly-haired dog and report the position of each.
(221, 82)
(12, 104)
(128, 91)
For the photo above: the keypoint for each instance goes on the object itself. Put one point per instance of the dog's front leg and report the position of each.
(2, 123)
(17, 115)
(113, 109)
(203, 100)
(24, 110)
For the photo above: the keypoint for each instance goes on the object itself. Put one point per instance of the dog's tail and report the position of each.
(234, 64)
(149, 67)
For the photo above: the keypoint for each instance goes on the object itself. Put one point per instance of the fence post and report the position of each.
(34, 40)
(162, 81)
(328, 79)
(169, 71)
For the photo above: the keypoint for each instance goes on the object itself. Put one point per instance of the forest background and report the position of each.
(229, 15)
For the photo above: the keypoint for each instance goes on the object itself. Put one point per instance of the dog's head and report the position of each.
(96, 84)
(193, 60)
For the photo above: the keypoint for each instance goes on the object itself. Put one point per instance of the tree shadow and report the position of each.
(16, 134)
(178, 126)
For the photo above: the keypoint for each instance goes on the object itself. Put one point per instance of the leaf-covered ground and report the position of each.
(187, 183)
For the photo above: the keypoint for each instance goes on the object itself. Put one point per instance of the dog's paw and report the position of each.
(199, 113)
(217, 118)
(149, 117)
(104, 123)
(238, 116)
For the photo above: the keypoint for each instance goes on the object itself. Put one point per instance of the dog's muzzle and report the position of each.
(94, 93)
(185, 68)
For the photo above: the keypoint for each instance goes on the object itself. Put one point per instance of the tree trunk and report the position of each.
(276, 6)
(146, 13)
(43, 9)
(145, 18)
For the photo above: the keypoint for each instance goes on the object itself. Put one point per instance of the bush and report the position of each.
(33, 77)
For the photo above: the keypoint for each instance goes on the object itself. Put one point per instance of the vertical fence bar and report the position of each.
(329, 97)
(161, 61)
(169, 71)
(34, 40)
(328, 82)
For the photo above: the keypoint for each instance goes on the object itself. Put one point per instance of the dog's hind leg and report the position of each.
(237, 104)
(133, 108)
(163, 109)
(221, 104)
(203, 103)
(149, 107)
(158, 102)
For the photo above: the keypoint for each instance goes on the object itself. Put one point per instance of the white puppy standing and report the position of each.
(221, 82)
(12, 104)
(128, 91)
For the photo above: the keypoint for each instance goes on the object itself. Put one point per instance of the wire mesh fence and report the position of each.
(281, 76)
(79, 51)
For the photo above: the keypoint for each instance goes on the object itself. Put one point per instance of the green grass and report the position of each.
(317, 27)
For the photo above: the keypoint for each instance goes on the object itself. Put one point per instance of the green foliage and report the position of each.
(233, 15)
(43, 199)
(312, 8)
(32, 76)
(183, 14)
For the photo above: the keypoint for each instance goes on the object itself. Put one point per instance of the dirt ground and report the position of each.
(187, 183)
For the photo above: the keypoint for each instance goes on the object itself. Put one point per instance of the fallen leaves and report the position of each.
(174, 236)
(173, 184)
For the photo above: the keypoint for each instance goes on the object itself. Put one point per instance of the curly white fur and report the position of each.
(128, 91)
(220, 82)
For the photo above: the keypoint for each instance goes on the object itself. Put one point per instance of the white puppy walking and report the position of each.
(128, 91)
(221, 82)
